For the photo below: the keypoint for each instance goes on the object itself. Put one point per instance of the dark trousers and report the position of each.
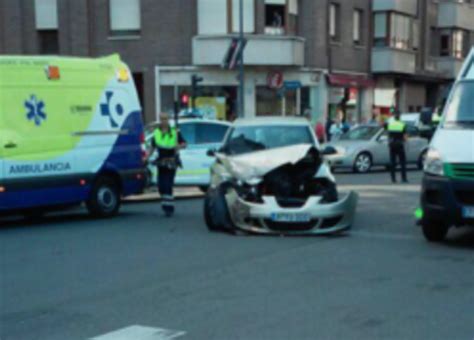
(165, 187)
(397, 151)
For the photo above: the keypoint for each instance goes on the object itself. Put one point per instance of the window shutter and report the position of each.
(212, 17)
(46, 14)
(125, 15)
(249, 16)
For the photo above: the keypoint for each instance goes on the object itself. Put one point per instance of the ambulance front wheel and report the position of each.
(104, 199)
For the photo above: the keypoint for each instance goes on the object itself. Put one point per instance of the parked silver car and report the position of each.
(270, 177)
(366, 146)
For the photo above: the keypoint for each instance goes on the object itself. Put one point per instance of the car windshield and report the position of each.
(361, 133)
(244, 139)
(460, 108)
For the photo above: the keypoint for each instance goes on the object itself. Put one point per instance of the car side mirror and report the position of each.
(329, 151)
(211, 152)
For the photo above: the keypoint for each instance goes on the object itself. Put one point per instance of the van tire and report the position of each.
(434, 231)
(104, 199)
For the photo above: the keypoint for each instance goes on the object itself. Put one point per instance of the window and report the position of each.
(275, 16)
(394, 30)
(46, 17)
(454, 43)
(48, 42)
(125, 18)
(461, 105)
(210, 133)
(400, 27)
(249, 16)
(334, 22)
(357, 26)
(380, 29)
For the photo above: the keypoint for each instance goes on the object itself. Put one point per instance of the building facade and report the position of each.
(301, 57)
(418, 48)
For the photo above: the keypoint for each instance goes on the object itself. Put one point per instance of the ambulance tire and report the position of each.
(104, 200)
(434, 231)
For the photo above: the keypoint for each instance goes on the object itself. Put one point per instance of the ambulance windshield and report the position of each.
(460, 108)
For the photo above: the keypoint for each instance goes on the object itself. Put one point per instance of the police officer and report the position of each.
(168, 141)
(397, 136)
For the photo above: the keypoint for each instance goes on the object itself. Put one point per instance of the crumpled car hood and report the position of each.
(257, 164)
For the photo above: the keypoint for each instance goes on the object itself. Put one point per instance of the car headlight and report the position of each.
(434, 163)
(248, 192)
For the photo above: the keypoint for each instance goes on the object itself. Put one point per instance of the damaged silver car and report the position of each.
(270, 177)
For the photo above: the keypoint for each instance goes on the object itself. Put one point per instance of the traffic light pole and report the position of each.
(240, 110)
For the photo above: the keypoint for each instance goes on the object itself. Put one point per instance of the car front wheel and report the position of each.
(363, 163)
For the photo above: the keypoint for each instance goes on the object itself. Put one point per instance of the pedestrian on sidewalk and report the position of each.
(167, 140)
(397, 137)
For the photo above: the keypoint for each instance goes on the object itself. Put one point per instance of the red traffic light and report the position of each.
(185, 99)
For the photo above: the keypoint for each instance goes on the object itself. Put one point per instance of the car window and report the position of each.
(207, 133)
(245, 139)
(361, 133)
(412, 131)
(188, 131)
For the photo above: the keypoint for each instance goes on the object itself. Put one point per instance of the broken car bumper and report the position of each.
(311, 218)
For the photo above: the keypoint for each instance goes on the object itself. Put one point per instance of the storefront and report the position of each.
(268, 91)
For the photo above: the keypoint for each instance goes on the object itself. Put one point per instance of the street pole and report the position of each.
(240, 111)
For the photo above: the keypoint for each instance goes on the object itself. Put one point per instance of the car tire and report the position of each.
(421, 160)
(104, 198)
(216, 212)
(434, 231)
(363, 163)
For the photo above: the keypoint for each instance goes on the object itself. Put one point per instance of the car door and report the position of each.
(200, 137)
(415, 144)
(379, 148)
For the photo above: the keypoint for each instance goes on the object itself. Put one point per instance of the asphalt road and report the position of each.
(70, 277)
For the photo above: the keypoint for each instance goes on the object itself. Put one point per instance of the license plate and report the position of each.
(290, 217)
(468, 212)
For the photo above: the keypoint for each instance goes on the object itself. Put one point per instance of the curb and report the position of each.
(155, 197)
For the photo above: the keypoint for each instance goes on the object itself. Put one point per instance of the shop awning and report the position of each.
(345, 80)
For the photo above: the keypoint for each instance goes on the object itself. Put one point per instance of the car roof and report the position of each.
(297, 121)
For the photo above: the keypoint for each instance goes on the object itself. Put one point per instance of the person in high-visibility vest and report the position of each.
(435, 119)
(168, 141)
(397, 136)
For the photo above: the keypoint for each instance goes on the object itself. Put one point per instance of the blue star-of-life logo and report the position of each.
(105, 109)
(35, 109)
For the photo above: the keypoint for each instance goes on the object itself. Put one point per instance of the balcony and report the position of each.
(261, 50)
(389, 60)
(449, 67)
(401, 6)
(453, 14)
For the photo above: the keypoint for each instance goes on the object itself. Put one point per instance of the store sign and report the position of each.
(292, 85)
(275, 80)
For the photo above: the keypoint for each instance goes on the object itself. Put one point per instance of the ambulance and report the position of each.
(70, 132)
(447, 197)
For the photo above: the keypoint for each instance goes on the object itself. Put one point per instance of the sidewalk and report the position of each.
(153, 195)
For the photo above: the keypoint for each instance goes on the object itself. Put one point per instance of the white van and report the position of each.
(447, 197)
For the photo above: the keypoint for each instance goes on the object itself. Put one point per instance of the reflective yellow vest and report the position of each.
(167, 140)
(396, 126)
(436, 119)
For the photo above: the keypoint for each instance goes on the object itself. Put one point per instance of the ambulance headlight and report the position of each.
(434, 163)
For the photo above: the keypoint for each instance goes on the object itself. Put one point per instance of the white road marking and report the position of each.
(137, 332)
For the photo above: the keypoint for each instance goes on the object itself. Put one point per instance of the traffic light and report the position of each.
(195, 80)
(232, 56)
(185, 99)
